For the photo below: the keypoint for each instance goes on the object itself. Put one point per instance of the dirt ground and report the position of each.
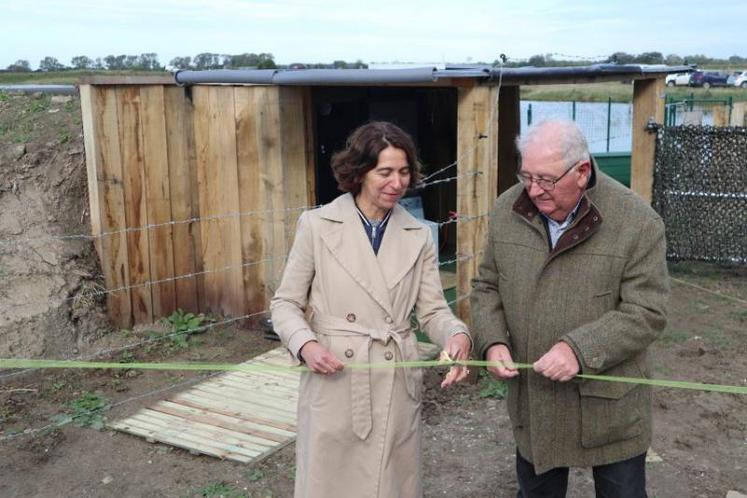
(700, 437)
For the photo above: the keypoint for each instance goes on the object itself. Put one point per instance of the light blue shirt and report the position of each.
(556, 229)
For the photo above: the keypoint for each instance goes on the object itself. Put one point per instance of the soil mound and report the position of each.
(45, 277)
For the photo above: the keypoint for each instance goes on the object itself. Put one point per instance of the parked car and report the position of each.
(740, 79)
(707, 79)
(678, 79)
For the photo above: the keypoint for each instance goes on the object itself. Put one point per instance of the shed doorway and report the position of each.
(428, 114)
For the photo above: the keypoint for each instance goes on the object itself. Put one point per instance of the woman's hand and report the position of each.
(319, 359)
(458, 348)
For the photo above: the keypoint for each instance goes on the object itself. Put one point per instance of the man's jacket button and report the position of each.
(388, 355)
(348, 353)
(351, 317)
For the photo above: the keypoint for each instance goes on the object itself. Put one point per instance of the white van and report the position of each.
(678, 79)
(741, 79)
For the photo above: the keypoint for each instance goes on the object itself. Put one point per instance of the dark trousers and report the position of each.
(625, 479)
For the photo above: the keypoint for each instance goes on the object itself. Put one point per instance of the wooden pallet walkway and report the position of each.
(240, 416)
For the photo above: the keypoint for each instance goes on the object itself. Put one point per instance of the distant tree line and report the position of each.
(142, 62)
(207, 60)
(149, 62)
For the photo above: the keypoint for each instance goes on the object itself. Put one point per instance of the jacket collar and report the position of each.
(585, 224)
(346, 240)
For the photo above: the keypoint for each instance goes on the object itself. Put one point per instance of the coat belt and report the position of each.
(362, 419)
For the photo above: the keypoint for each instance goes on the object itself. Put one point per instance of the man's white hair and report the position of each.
(565, 133)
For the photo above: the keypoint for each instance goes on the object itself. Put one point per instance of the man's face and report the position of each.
(545, 160)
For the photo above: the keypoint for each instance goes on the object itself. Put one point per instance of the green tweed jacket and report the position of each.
(603, 290)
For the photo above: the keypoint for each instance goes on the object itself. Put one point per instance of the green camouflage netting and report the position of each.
(700, 189)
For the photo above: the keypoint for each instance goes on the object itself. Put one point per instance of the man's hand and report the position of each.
(319, 359)
(504, 367)
(458, 348)
(559, 363)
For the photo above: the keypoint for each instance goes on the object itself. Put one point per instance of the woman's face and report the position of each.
(385, 184)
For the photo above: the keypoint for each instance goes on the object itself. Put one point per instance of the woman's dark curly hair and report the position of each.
(362, 150)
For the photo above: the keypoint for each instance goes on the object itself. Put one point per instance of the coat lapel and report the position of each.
(347, 242)
(402, 244)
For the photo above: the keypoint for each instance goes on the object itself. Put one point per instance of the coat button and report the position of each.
(575, 237)
(596, 218)
(348, 353)
(351, 317)
(388, 319)
(388, 355)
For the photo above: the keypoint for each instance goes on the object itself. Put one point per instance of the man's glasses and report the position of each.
(546, 184)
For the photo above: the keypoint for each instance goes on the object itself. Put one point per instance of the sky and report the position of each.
(428, 31)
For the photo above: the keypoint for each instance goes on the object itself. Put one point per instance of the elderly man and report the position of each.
(573, 280)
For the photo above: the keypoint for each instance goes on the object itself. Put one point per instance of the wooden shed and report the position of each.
(196, 181)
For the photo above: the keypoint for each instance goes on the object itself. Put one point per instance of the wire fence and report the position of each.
(93, 297)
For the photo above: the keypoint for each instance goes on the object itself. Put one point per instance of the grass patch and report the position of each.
(86, 412)
(221, 490)
(66, 77)
(674, 336)
(620, 92)
(255, 475)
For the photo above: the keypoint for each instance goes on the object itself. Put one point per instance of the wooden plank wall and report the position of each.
(648, 104)
(477, 152)
(204, 186)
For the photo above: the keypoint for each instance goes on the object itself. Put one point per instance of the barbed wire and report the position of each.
(494, 113)
(223, 322)
(55, 425)
(88, 295)
(198, 219)
(127, 347)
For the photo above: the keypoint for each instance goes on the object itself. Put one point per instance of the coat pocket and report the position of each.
(611, 411)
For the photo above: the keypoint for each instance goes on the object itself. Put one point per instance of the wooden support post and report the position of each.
(184, 197)
(720, 115)
(215, 142)
(129, 107)
(251, 197)
(648, 104)
(158, 199)
(509, 127)
(738, 114)
(477, 187)
(103, 162)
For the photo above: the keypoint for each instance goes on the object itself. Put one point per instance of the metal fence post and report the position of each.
(609, 120)
(529, 115)
(573, 111)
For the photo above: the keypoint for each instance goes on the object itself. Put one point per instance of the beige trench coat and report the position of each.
(359, 430)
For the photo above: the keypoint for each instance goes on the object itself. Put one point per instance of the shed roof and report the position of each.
(428, 75)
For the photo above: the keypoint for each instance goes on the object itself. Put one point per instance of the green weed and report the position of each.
(182, 325)
(86, 412)
(255, 475)
(63, 136)
(221, 490)
(39, 105)
(491, 387)
(126, 357)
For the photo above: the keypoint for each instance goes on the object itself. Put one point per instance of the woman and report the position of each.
(357, 269)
